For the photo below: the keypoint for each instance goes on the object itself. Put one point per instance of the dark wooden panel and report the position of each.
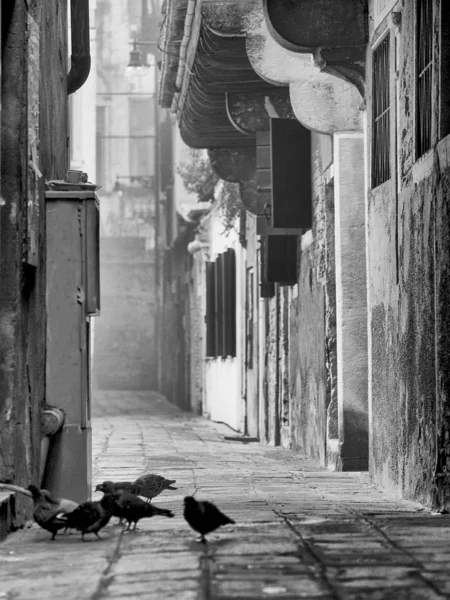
(219, 306)
(210, 310)
(229, 263)
(263, 157)
(282, 259)
(263, 138)
(291, 174)
(266, 288)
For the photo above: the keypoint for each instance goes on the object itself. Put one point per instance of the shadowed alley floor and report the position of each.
(301, 532)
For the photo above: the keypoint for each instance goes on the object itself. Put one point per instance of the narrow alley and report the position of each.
(300, 532)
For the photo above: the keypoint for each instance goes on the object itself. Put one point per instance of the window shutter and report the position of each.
(282, 259)
(263, 173)
(219, 306)
(210, 310)
(266, 288)
(291, 174)
(229, 264)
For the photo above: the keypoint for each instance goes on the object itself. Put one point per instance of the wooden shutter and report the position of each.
(263, 174)
(282, 259)
(210, 310)
(266, 288)
(229, 285)
(219, 306)
(291, 174)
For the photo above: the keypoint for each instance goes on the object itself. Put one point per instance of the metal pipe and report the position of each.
(81, 53)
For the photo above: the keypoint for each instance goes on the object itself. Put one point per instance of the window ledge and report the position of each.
(423, 167)
(436, 158)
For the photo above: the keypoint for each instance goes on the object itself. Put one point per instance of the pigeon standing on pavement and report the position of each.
(133, 509)
(203, 516)
(147, 486)
(110, 487)
(153, 485)
(47, 512)
(91, 517)
(65, 505)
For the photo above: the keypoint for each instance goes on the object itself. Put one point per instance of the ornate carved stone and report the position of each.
(323, 99)
(251, 112)
(335, 30)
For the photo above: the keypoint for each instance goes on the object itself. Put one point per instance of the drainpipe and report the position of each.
(81, 53)
(51, 422)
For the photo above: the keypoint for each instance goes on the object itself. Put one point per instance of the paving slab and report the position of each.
(300, 531)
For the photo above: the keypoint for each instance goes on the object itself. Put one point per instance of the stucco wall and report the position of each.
(312, 317)
(34, 47)
(407, 264)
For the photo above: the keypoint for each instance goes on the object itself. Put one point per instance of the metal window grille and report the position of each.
(381, 169)
(424, 75)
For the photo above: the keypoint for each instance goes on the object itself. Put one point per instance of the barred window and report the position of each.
(424, 75)
(381, 169)
(221, 306)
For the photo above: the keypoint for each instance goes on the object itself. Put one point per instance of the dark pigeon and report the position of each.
(204, 516)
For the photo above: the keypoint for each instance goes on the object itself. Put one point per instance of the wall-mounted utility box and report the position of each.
(73, 296)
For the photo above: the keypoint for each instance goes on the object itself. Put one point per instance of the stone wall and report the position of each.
(124, 352)
(34, 126)
(300, 338)
(409, 318)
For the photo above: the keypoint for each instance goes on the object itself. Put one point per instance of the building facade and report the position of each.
(37, 78)
(333, 120)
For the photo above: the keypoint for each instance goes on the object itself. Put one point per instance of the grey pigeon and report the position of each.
(133, 509)
(153, 485)
(47, 512)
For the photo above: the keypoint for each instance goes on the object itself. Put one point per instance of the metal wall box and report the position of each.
(73, 295)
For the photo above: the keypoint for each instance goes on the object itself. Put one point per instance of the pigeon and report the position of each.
(203, 516)
(110, 487)
(147, 486)
(153, 485)
(133, 509)
(65, 505)
(91, 516)
(47, 512)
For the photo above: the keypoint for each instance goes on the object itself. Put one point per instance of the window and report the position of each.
(221, 306)
(381, 170)
(424, 76)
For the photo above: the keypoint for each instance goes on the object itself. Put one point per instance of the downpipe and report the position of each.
(52, 421)
(81, 52)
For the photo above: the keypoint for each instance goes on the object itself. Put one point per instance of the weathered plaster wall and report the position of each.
(223, 376)
(408, 312)
(197, 292)
(34, 47)
(124, 334)
(312, 317)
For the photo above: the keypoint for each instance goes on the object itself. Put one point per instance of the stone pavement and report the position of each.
(301, 532)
